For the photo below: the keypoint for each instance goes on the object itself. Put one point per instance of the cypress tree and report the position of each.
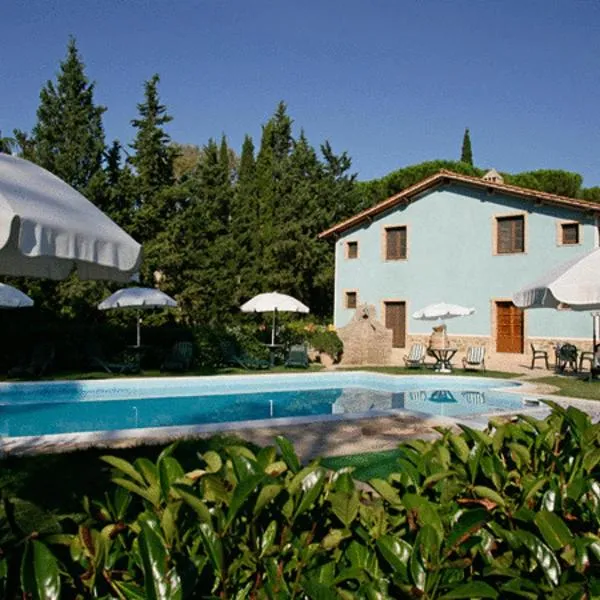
(466, 154)
(153, 159)
(153, 164)
(68, 138)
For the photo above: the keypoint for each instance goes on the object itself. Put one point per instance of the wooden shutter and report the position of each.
(509, 328)
(570, 233)
(350, 299)
(395, 243)
(395, 319)
(511, 235)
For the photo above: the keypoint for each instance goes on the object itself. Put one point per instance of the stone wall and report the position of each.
(366, 340)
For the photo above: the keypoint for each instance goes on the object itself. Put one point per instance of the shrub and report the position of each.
(510, 512)
(328, 342)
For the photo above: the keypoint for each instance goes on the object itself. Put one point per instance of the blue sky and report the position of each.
(393, 82)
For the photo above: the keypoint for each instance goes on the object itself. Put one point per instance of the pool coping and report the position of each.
(426, 422)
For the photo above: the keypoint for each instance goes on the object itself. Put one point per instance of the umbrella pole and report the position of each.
(273, 327)
(594, 323)
(139, 327)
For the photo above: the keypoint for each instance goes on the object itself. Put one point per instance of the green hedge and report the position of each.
(510, 512)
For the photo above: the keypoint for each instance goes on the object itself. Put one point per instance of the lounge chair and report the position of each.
(96, 359)
(41, 358)
(232, 357)
(535, 354)
(475, 358)
(179, 358)
(297, 357)
(416, 356)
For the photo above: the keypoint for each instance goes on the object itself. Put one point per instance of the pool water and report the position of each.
(68, 407)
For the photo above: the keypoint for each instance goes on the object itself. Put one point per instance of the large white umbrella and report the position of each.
(442, 311)
(47, 229)
(573, 285)
(140, 298)
(11, 297)
(274, 302)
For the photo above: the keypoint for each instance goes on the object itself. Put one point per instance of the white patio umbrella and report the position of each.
(441, 312)
(47, 229)
(11, 297)
(140, 298)
(573, 285)
(274, 302)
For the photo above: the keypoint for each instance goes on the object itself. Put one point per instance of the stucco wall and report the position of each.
(451, 258)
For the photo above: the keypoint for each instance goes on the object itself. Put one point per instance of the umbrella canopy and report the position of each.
(47, 229)
(442, 311)
(11, 297)
(137, 297)
(574, 284)
(274, 302)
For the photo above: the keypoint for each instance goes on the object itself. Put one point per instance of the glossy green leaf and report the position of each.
(426, 511)
(288, 453)
(213, 461)
(188, 495)
(553, 529)
(386, 491)
(240, 494)
(542, 554)
(125, 467)
(396, 552)
(150, 494)
(40, 577)
(153, 553)
(213, 546)
(469, 522)
(266, 495)
(169, 471)
(344, 500)
(473, 589)
(129, 591)
(312, 485)
(485, 492)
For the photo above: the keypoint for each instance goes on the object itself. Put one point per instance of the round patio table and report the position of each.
(443, 356)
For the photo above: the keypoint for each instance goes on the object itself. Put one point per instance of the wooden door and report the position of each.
(395, 319)
(509, 328)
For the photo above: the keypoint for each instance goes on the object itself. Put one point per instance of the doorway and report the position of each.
(509, 327)
(395, 319)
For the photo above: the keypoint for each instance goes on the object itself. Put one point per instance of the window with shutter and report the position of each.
(395, 243)
(351, 298)
(352, 250)
(510, 235)
(570, 233)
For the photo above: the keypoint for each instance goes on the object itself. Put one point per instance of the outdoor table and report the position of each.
(443, 356)
(273, 348)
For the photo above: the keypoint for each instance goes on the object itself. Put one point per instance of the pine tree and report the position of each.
(68, 138)
(466, 154)
(8, 144)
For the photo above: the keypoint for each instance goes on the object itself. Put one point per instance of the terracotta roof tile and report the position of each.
(442, 177)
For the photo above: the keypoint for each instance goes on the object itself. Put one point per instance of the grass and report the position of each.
(573, 387)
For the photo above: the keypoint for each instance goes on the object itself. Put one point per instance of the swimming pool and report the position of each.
(42, 409)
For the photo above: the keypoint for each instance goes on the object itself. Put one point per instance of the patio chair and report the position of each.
(567, 357)
(41, 358)
(96, 359)
(297, 356)
(535, 354)
(475, 358)
(416, 356)
(232, 357)
(179, 358)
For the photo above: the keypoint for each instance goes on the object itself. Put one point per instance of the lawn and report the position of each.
(573, 387)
